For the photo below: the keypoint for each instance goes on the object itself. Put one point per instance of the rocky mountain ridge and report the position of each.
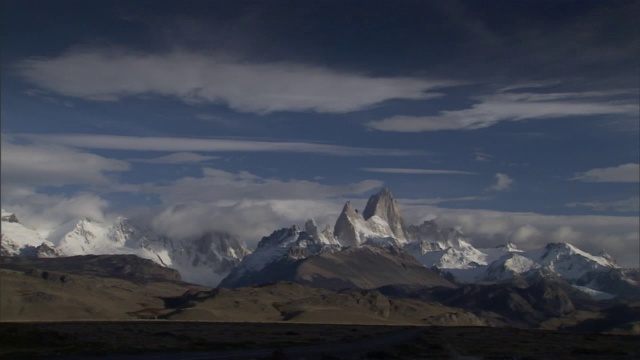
(217, 257)
(446, 250)
(205, 259)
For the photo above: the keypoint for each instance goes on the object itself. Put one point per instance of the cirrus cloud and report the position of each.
(177, 158)
(113, 74)
(176, 144)
(499, 107)
(418, 171)
(622, 173)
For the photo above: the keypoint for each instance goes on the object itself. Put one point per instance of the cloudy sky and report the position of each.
(516, 120)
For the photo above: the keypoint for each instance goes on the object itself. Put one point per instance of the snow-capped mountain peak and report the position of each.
(569, 261)
(380, 223)
(286, 242)
(508, 266)
(18, 240)
(324, 237)
(204, 259)
(385, 207)
(443, 248)
(509, 247)
(88, 237)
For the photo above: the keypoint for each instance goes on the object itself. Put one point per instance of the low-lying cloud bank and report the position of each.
(617, 235)
(251, 219)
(492, 109)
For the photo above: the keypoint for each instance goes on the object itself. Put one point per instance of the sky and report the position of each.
(513, 120)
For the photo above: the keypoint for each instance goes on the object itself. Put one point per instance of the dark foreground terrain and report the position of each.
(199, 340)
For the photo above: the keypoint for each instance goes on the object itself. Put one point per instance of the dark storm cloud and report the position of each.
(586, 42)
(469, 39)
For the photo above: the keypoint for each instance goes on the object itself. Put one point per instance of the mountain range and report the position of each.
(367, 250)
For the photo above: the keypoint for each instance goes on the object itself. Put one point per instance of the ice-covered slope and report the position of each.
(506, 262)
(285, 245)
(568, 261)
(508, 266)
(443, 248)
(204, 259)
(18, 240)
(121, 237)
(448, 250)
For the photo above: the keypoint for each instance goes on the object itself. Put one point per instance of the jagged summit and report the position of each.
(204, 259)
(324, 237)
(384, 206)
(380, 222)
(9, 217)
(509, 246)
(345, 229)
(211, 256)
(278, 251)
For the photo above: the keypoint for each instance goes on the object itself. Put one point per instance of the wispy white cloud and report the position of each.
(112, 74)
(53, 215)
(622, 173)
(236, 186)
(529, 85)
(435, 201)
(175, 144)
(499, 107)
(418, 171)
(53, 165)
(245, 204)
(177, 158)
(248, 219)
(503, 182)
(480, 155)
(27, 168)
(626, 205)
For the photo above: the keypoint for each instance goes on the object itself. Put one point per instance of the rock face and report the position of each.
(346, 225)
(205, 259)
(325, 236)
(380, 223)
(384, 206)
